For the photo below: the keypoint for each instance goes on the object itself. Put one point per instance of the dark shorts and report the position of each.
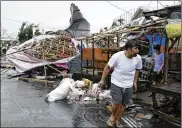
(121, 95)
(157, 77)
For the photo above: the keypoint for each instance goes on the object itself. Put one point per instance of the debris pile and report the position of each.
(42, 50)
(74, 91)
(51, 48)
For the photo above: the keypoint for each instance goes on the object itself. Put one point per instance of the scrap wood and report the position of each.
(139, 115)
(49, 48)
(54, 68)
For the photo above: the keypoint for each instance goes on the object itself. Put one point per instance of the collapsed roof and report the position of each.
(79, 26)
(165, 12)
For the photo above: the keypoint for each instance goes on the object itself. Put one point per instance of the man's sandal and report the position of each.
(110, 122)
(118, 124)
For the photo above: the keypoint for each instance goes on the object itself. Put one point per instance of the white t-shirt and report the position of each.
(124, 69)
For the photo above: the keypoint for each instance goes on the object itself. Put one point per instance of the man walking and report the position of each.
(126, 65)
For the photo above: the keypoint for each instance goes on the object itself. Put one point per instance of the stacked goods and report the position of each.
(55, 48)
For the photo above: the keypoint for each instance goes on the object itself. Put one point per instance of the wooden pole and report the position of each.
(108, 82)
(54, 68)
(93, 62)
(166, 60)
(81, 59)
(117, 40)
(45, 73)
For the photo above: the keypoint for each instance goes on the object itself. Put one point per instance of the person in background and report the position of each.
(158, 66)
(126, 65)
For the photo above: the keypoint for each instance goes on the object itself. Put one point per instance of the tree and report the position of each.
(37, 32)
(22, 34)
(26, 32)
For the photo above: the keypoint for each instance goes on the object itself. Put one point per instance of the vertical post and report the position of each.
(117, 39)
(166, 60)
(155, 105)
(81, 59)
(87, 41)
(108, 76)
(108, 43)
(93, 61)
(45, 73)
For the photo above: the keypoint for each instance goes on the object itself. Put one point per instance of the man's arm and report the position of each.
(136, 75)
(138, 67)
(107, 68)
(110, 65)
(136, 79)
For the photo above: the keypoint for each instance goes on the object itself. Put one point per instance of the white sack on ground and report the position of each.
(105, 95)
(61, 91)
(79, 83)
(95, 90)
(74, 93)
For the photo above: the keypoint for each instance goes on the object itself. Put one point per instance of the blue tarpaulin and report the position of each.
(157, 40)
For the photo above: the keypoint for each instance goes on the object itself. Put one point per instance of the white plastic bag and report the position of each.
(95, 90)
(79, 83)
(74, 93)
(61, 91)
(105, 95)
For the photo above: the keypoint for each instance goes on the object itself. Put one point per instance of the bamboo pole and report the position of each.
(81, 59)
(45, 73)
(54, 68)
(166, 60)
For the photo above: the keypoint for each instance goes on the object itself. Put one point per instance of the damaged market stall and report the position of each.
(171, 86)
(114, 41)
(50, 53)
(163, 30)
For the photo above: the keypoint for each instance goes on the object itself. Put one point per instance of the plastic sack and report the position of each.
(61, 91)
(105, 95)
(173, 30)
(95, 90)
(79, 83)
(74, 93)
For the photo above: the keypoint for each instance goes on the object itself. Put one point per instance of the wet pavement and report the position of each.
(23, 105)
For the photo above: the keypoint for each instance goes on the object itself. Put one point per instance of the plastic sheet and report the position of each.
(61, 91)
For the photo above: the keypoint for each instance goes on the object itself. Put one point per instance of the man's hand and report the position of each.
(135, 86)
(101, 84)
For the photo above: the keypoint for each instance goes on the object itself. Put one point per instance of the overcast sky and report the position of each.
(56, 14)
